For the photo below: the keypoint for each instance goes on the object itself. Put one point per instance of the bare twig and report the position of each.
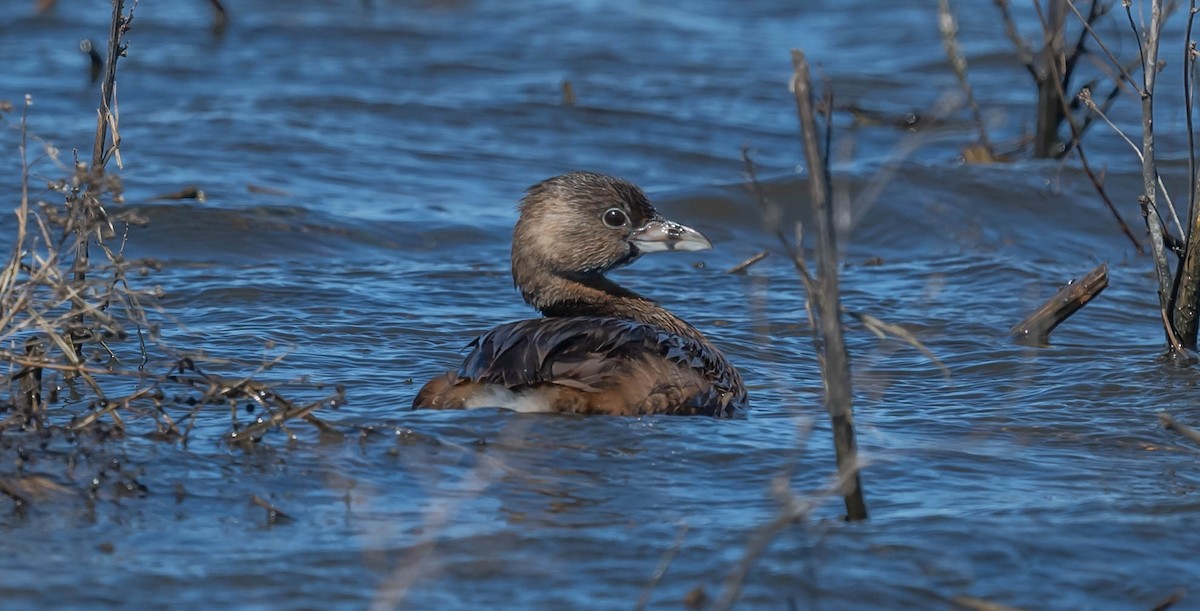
(1122, 72)
(792, 510)
(1103, 192)
(1172, 318)
(1184, 315)
(220, 18)
(873, 324)
(836, 361)
(1171, 424)
(1089, 119)
(1168, 602)
(1085, 96)
(883, 329)
(84, 208)
(1035, 329)
(1098, 9)
(1050, 78)
(1189, 62)
(978, 604)
(744, 265)
(948, 27)
(274, 514)
(793, 251)
(1055, 79)
(29, 391)
(660, 571)
(55, 305)
(1020, 45)
(117, 28)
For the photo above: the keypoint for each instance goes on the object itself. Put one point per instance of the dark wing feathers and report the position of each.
(580, 352)
(541, 350)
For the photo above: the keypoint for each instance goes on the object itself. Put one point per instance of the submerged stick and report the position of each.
(1036, 327)
(1171, 424)
(220, 18)
(972, 603)
(274, 514)
(1168, 602)
(29, 384)
(744, 265)
(836, 362)
(95, 62)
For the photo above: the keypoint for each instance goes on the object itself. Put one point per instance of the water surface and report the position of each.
(387, 144)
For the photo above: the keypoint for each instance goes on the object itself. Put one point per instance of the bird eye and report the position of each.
(615, 217)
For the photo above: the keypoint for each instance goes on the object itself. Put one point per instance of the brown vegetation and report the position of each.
(1035, 329)
(1178, 283)
(81, 334)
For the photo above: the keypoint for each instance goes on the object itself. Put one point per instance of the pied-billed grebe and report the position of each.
(600, 349)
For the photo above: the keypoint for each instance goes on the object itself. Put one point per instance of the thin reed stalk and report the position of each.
(1052, 74)
(1148, 51)
(834, 358)
(948, 26)
(1184, 315)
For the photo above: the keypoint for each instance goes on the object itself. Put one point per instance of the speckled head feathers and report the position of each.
(568, 225)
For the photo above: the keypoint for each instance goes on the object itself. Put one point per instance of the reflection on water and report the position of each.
(361, 164)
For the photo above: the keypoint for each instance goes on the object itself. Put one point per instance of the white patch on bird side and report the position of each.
(506, 399)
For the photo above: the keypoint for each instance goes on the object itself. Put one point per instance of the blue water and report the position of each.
(361, 163)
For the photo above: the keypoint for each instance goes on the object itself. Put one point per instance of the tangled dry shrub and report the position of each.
(81, 333)
(89, 326)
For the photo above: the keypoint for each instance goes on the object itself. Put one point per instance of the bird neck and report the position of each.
(594, 295)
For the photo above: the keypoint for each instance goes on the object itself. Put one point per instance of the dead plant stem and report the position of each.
(1183, 302)
(104, 124)
(836, 361)
(948, 26)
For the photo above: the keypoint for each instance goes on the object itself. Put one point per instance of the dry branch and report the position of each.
(1169, 290)
(793, 511)
(835, 364)
(220, 18)
(275, 515)
(882, 330)
(1171, 424)
(978, 604)
(104, 124)
(1186, 295)
(1035, 329)
(1052, 70)
(1178, 289)
(660, 571)
(949, 30)
(1051, 78)
(1085, 98)
(1168, 602)
(744, 265)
